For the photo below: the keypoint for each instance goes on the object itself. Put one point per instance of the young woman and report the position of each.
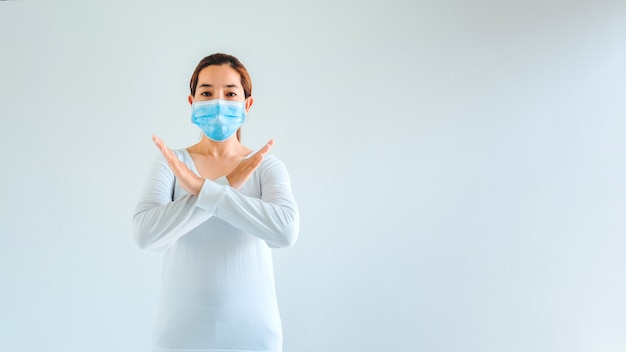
(216, 208)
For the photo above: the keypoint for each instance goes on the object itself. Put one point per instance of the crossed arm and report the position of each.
(193, 183)
(159, 221)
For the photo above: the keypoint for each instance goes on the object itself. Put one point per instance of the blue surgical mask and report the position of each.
(218, 119)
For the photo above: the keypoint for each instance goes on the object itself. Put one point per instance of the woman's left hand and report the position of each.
(190, 182)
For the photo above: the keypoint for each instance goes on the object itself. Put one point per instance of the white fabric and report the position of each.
(218, 282)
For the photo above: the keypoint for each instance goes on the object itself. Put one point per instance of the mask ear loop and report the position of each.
(245, 119)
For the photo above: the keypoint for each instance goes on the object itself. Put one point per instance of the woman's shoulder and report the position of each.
(271, 159)
(272, 165)
(182, 154)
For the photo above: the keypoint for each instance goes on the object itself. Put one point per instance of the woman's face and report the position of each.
(220, 82)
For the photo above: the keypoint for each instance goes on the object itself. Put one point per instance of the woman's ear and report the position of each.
(190, 99)
(249, 103)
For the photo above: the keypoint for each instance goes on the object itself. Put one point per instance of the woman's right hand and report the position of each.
(190, 182)
(244, 170)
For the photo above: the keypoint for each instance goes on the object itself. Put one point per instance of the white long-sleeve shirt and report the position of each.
(218, 282)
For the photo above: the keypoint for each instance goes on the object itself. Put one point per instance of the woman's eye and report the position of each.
(206, 94)
(231, 94)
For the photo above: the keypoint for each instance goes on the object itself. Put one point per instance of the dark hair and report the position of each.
(221, 59)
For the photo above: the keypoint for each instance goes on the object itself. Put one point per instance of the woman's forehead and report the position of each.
(222, 75)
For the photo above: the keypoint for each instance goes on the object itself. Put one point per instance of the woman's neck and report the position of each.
(230, 147)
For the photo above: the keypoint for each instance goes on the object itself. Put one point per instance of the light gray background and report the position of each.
(459, 165)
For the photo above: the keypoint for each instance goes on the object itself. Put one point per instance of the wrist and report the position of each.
(199, 184)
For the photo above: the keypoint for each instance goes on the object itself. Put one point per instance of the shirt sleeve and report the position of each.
(273, 218)
(159, 221)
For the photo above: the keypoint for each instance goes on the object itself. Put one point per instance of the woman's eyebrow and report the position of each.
(203, 85)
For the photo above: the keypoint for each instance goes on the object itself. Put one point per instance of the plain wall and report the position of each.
(459, 167)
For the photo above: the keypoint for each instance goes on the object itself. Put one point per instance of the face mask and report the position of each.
(218, 119)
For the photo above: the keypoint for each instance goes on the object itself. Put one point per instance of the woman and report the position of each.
(216, 208)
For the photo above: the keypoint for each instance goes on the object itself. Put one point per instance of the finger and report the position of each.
(165, 150)
(159, 143)
(266, 147)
